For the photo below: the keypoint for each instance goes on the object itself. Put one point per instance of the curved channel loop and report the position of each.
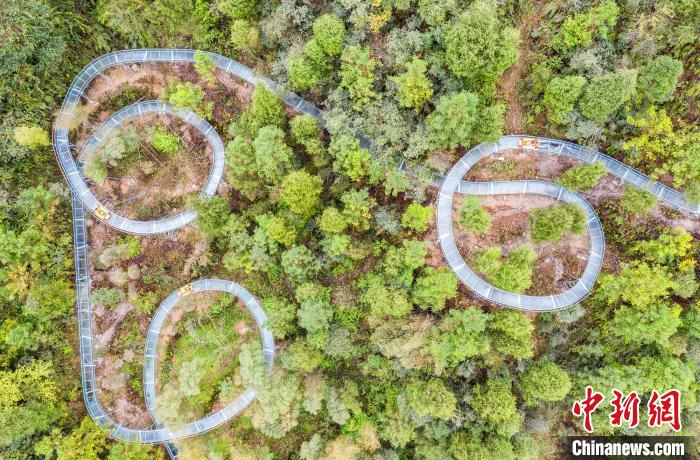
(214, 419)
(453, 183)
(115, 121)
(77, 94)
(83, 199)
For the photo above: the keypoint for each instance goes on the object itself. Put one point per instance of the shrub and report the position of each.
(107, 296)
(301, 192)
(417, 217)
(114, 254)
(560, 97)
(544, 380)
(512, 274)
(190, 96)
(473, 216)
(582, 178)
(658, 78)
(607, 93)
(414, 88)
(332, 221)
(551, 224)
(165, 141)
(96, 169)
(31, 136)
(637, 201)
(245, 35)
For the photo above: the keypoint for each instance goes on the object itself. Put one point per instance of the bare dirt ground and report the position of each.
(120, 331)
(513, 77)
(558, 263)
(157, 185)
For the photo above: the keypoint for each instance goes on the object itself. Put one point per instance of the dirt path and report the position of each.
(508, 85)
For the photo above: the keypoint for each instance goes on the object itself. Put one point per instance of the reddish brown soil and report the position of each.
(120, 331)
(163, 190)
(513, 77)
(558, 263)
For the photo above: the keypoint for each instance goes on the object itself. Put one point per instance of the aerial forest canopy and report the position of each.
(329, 221)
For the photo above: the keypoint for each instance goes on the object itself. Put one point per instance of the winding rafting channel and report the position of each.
(83, 200)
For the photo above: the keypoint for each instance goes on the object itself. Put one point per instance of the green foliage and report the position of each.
(414, 89)
(165, 141)
(607, 93)
(433, 12)
(583, 177)
(265, 109)
(307, 70)
(675, 151)
(511, 333)
(34, 43)
(190, 96)
(637, 201)
(560, 96)
(357, 76)
(212, 214)
(580, 29)
(460, 335)
(638, 284)
(357, 207)
(465, 447)
(652, 323)
(301, 192)
(332, 221)
(96, 169)
(300, 356)
(281, 316)
(552, 223)
(205, 66)
(478, 48)
(107, 296)
(302, 74)
(329, 33)
(161, 22)
(658, 78)
(350, 159)
(383, 299)
(452, 122)
(134, 451)
(417, 217)
(473, 216)
(278, 228)
(88, 441)
(237, 9)
(512, 274)
(315, 311)
(116, 149)
(31, 137)
(300, 264)
(265, 160)
(245, 36)
(434, 288)
(495, 404)
(430, 399)
(544, 381)
(395, 182)
(312, 224)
